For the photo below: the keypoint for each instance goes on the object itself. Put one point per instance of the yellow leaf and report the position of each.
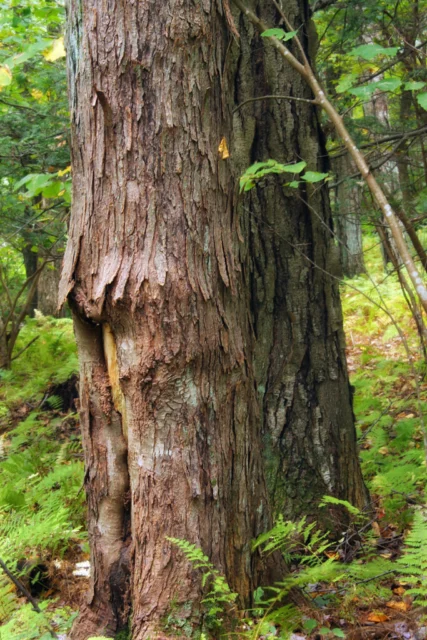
(55, 51)
(377, 617)
(5, 77)
(37, 94)
(64, 171)
(223, 149)
(398, 606)
(399, 591)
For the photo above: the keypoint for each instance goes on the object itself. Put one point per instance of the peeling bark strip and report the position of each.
(196, 325)
(107, 485)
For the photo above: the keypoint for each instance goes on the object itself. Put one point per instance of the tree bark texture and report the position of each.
(47, 290)
(195, 315)
(310, 445)
(347, 218)
(31, 264)
(155, 276)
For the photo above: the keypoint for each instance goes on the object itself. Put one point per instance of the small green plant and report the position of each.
(413, 563)
(219, 597)
(27, 624)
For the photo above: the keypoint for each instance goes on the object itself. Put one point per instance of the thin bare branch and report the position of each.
(273, 97)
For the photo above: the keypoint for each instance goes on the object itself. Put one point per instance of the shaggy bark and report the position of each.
(153, 264)
(194, 317)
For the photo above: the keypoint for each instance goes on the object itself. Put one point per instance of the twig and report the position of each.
(25, 348)
(22, 106)
(374, 423)
(273, 97)
(18, 584)
(23, 589)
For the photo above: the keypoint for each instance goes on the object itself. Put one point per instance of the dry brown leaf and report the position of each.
(383, 451)
(376, 529)
(398, 606)
(399, 591)
(378, 617)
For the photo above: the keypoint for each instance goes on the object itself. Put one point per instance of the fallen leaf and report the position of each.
(376, 529)
(377, 617)
(332, 555)
(398, 606)
(399, 591)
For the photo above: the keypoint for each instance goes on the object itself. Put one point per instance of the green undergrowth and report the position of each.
(41, 474)
(390, 398)
(51, 359)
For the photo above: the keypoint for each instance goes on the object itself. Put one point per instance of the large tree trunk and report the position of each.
(193, 321)
(154, 273)
(300, 359)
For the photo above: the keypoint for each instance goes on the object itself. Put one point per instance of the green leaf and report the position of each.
(294, 184)
(323, 631)
(5, 77)
(28, 52)
(314, 176)
(338, 633)
(422, 100)
(414, 85)
(294, 168)
(310, 624)
(273, 33)
(23, 181)
(289, 35)
(370, 51)
(345, 82)
(53, 189)
(344, 503)
(258, 595)
(389, 84)
(365, 91)
(279, 34)
(38, 183)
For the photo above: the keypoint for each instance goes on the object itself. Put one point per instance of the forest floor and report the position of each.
(370, 584)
